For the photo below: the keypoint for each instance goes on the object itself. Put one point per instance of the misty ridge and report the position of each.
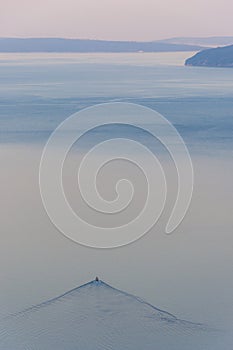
(83, 45)
(89, 45)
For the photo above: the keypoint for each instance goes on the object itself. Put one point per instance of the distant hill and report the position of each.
(213, 41)
(79, 45)
(218, 57)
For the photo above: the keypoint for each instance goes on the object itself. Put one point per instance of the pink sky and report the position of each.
(115, 19)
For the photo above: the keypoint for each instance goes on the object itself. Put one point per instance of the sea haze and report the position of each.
(187, 273)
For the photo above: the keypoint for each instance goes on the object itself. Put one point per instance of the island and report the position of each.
(217, 57)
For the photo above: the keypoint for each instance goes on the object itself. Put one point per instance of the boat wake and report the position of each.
(98, 316)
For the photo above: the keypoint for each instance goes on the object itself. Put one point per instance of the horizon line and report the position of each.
(117, 40)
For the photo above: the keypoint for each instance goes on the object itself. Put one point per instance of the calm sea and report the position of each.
(188, 273)
(38, 91)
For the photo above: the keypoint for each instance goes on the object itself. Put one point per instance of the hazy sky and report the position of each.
(116, 19)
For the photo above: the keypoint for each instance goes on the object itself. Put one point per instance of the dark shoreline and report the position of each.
(221, 57)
